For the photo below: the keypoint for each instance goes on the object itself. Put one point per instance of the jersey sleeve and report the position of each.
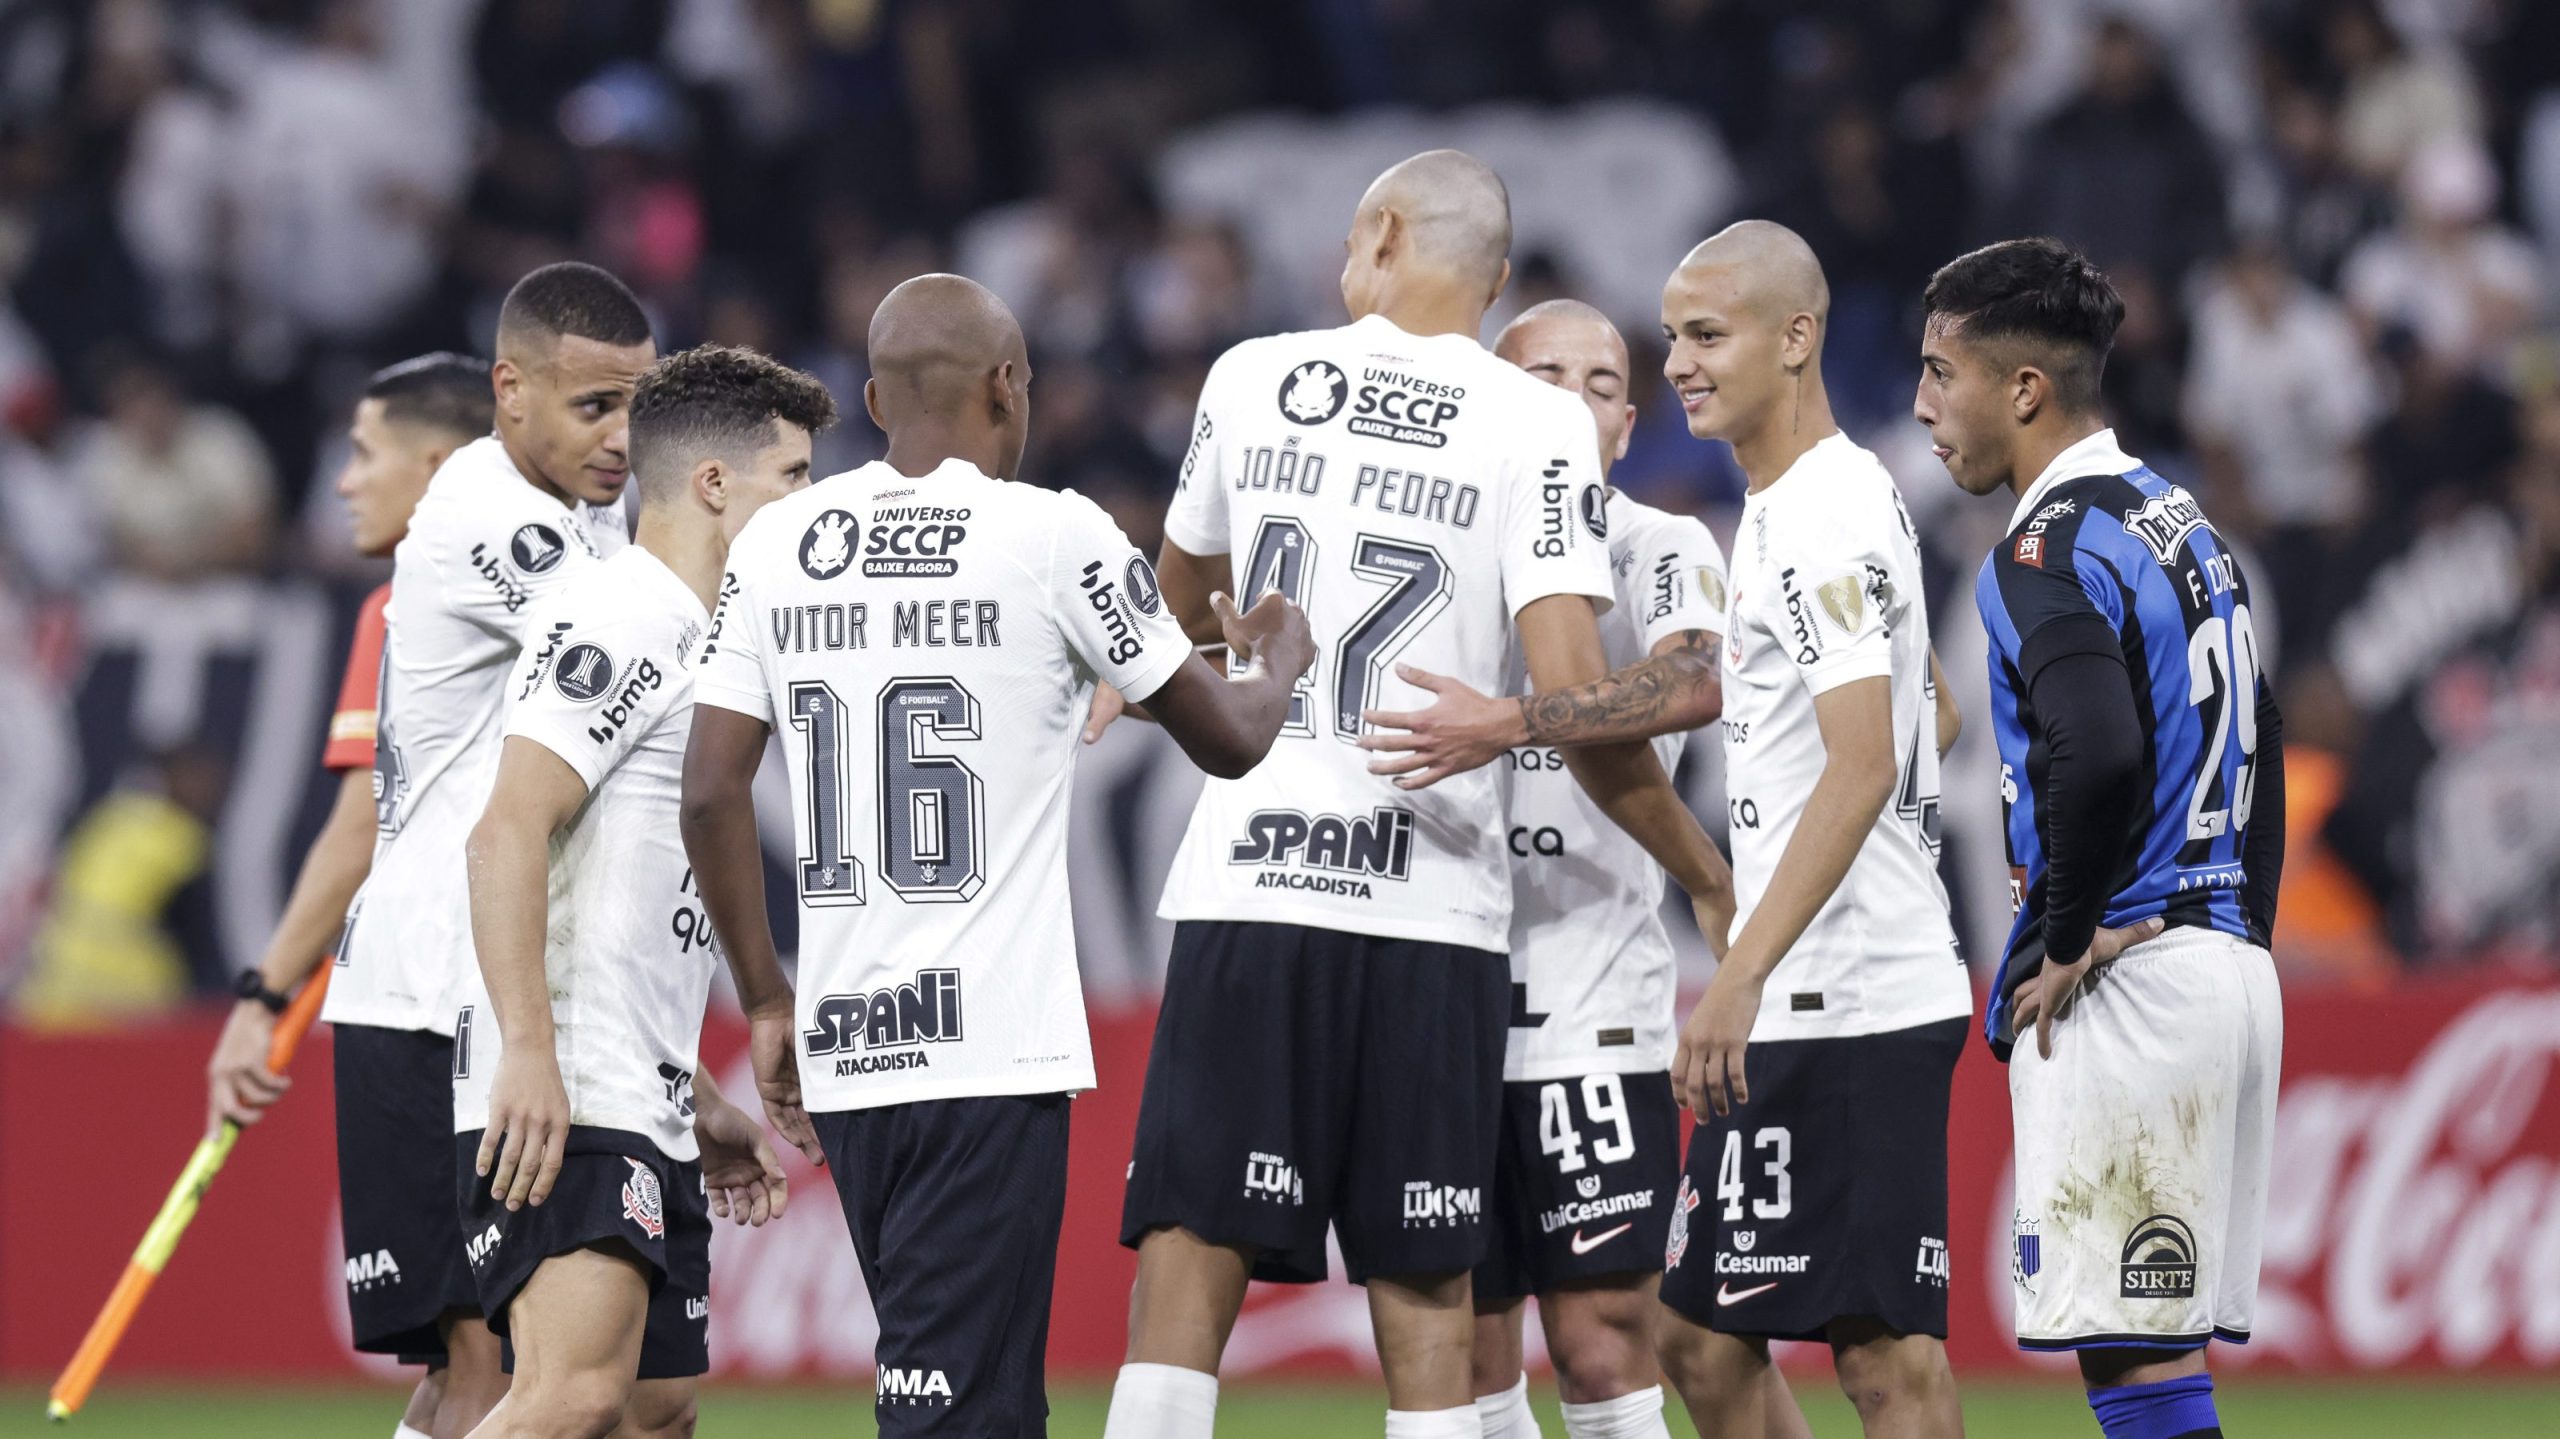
(503, 560)
(1196, 521)
(1828, 610)
(2045, 573)
(351, 724)
(1554, 514)
(729, 671)
(1683, 571)
(1107, 602)
(592, 686)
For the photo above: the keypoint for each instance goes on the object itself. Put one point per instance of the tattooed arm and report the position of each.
(1678, 687)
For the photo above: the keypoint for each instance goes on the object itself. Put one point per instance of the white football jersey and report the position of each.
(1590, 961)
(928, 649)
(483, 548)
(1413, 493)
(1825, 590)
(629, 954)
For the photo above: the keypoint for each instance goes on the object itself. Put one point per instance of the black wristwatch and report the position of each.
(250, 985)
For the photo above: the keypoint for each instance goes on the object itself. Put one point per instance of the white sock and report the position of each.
(405, 1432)
(1458, 1423)
(1629, 1416)
(1162, 1401)
(1507, 1415)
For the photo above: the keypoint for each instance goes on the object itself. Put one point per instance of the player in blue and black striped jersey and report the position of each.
(2142, 774)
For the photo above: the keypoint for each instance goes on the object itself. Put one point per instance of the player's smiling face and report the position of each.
(1965, 406)
(388, 466)
(1725, 357)
(1585, 356)
(571, 411)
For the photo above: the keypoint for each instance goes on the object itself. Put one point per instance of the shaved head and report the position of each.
(1575, 348)
(950, 375)
(1435, 232)
(935, 340)
(1775, 268)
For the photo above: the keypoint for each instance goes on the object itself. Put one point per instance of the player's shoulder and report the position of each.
(1836, 498)
(478, 499)
(1307, 359)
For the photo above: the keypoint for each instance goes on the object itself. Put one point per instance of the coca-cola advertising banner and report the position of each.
(2415, 1221)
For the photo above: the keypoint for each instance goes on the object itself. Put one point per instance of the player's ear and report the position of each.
(2030, 389)
(507, 385)
(1626, 432)
(711, 485)
(1803, 339)
(1000, 391)
(871, 404)
(1501, 282)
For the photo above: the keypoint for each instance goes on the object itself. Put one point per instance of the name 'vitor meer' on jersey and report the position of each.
(1826, 590)
(927, 649)
(1412, 493)
(604, 685)
(2101, 534)
(483, 548)
(1590, 960)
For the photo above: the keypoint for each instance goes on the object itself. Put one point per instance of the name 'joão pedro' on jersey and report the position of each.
(2101, 534)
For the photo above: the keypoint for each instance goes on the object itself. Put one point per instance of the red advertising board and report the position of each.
(2415, 1219)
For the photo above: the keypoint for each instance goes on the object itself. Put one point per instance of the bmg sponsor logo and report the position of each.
(2159, 1260)
(1345, 851)
(1117, 612)
(1564, 506)
(886, 1028)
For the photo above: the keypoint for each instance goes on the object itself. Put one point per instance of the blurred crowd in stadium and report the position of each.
(2336, 224)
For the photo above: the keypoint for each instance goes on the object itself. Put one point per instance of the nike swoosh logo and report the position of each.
(1725, 1295)
(1583, 1246)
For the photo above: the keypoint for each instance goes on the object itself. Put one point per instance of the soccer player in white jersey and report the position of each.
(1823, 1204)
(497, 530)
(930, 633)
(1590, 1129)
(598, 1149)
(1330, 1048)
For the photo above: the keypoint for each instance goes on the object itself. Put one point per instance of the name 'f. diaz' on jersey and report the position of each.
(628, 951)
(2100, 534)
(1826, 590)
(928, 649)
(1412, 493)
(1590, 959)
(483, 548)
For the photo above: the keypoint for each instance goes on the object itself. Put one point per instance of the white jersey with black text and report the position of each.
(1413, 493)
(605, 686)
(1825, 590)
(927, 648)
(1591, 964)
(483, 548)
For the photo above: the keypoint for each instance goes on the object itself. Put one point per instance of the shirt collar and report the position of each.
(1374, 322)
(664, 578)
(2096, 454)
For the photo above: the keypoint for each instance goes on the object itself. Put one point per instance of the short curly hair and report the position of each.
(2040, 296)
(716, 402)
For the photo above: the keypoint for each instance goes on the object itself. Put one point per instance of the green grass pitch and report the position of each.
(2251, 1409)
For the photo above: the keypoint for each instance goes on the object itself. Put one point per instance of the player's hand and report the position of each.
(1108, 705)
(1273, 633)
(773, 1048)
(239, 1086)
(1462, 730)
(528, 1133)
(1706, 1068)
(2047, 996)
(740, 1172)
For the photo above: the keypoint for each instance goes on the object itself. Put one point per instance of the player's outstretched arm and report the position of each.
(1676, 688)
(719, 822)
(239, 1083)
(508, 860)
(1858, 773)
(1188, 582)
(1226, 723)
(1560, 640)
